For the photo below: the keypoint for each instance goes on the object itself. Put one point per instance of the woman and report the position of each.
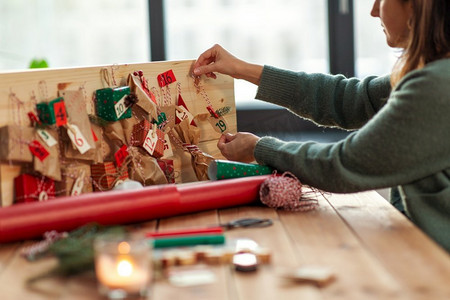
(403, 136)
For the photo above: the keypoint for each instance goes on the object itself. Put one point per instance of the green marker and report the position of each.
(188, 241)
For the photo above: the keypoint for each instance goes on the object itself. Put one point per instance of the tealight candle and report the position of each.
(123, 266)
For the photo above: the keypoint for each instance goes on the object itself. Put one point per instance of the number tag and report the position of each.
(168, 151)
(38, 150)
(150, 141)
(121, 155)
(78, 185)
(219, 124)
(60, 113)
(166, 78)
(47, 137)
(182, 113)
(120, 107)
(78, 139)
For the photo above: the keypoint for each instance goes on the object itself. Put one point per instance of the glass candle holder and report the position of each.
(123, 266)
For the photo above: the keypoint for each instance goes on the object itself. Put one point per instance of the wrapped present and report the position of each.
(30, 188)
(115, 138)
(76, 180)
(53, 112)
(105, 175)
(128, 125)
(82, 145)
(147, 100)
(102, 148)
(188, 135)
(111, 103)
(14, 141)
(50, 166)
(139, 133)
(149, 137)
(154, 142)
(144, 168)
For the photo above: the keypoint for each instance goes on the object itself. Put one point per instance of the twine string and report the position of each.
(285, 192)
(116, 175)
(50, 237)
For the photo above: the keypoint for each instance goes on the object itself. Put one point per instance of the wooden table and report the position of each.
(375, 251)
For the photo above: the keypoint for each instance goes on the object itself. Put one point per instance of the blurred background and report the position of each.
(291, 34)
(332, 36)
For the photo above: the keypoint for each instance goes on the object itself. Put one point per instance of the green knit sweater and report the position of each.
(402, 137)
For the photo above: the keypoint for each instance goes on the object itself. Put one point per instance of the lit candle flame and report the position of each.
(124, 268)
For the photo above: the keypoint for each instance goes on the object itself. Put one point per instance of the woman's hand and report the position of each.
(238, 147)
(217, 59)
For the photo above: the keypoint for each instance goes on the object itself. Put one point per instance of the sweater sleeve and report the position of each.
(328, 100)
(405, 141)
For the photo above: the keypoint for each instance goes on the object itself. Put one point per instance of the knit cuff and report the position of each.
(265, 150)
(277, 86)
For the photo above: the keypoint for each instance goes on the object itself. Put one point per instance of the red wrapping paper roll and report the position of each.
(31, 220)
(220, 194)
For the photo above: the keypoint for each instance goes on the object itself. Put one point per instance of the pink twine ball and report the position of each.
(285, 192)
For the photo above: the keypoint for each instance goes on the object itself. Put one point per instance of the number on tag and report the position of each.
(78, 138)
(78, 185)
(150, 141)
(38, 150)
(47, 137)
(219, 125)
(60, 113)
(166, 78)
(120, 107)
(168, 152)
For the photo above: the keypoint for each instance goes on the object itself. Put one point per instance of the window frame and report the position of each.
(341, 51)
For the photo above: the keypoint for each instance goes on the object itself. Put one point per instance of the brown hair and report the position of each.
(429, 37)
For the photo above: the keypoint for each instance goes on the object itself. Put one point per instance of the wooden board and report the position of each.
(20, 91)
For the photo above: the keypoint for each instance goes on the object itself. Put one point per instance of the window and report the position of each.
(73, 33)
(288, 34)
(373, 55)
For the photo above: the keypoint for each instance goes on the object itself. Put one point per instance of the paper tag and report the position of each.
(120, 155)
(78, 185)
(33, 118)
(219, 125)
(166, 78)
(120, 107)
(60, 113)
(38, 150)
(47, 138)
(78, 139)
(43, 196)
(150, 141)
(168, 151)
(182, 113)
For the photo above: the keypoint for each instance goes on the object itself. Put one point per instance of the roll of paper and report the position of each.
(32, 220)
(224, 169)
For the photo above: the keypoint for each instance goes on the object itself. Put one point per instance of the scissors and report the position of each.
(247, 223)
(216, 229)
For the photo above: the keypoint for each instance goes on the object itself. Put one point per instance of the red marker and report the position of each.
(193, 231)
